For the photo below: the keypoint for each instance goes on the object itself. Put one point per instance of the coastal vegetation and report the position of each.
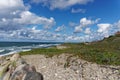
(105, 52)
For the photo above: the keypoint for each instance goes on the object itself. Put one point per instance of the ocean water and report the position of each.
(7, 48)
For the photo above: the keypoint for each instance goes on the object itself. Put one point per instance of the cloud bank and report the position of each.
(60, 4)
(15, 17)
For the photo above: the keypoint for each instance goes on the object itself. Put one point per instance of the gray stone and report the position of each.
(33, 76)
(26, 72)
(19, 72)
(16, 68)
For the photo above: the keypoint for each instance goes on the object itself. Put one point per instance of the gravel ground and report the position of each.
(65, 67)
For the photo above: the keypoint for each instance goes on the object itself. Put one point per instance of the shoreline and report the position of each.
(29, 49)
(13, 52)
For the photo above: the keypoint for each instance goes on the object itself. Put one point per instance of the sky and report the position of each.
(58, 20)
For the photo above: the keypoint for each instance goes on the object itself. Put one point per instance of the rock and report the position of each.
(26, 72)
(4, 69)
(33, 76)
(15, 57)
(20, 62)
(16, 68)
(19, 72)
(6, 76)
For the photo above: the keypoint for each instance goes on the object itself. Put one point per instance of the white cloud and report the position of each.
(78, 29)
(105, 30)
(117, 26)
(8, 6)
(60, 28)
(15, 18)
(87, 31)
(84, 22)
(60, 4)
(26, 17)
(103, 27)
(4, 20)
(78, 10)
(14, 15)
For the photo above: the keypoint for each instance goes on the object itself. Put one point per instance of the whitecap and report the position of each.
(2, 50)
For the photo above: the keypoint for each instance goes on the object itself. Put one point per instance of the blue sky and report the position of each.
(58, 20)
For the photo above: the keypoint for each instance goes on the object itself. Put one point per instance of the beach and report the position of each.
(65, 67)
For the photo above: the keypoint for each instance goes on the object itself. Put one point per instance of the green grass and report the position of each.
(105, 52)
(44, 51)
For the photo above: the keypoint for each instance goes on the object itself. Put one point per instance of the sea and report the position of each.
(7, 48)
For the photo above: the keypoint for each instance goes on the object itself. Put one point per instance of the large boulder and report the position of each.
(15, 68)
(33, 76)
